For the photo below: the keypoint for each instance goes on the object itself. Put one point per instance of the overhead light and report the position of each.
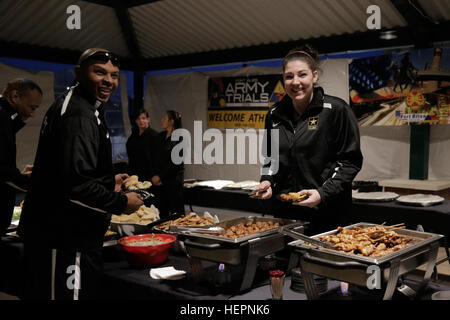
(388, 35)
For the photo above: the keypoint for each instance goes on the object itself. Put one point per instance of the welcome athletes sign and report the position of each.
(242, 102)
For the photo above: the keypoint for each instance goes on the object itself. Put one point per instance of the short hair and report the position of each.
(141, 111)
(22, 86)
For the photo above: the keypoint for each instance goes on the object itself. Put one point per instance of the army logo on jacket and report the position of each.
(313, 123)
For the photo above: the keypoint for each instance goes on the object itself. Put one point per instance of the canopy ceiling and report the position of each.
(167, 34)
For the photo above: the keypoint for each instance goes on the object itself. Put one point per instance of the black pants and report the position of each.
(319, 219)
(169, 198)
(61, 274)
(7, 201)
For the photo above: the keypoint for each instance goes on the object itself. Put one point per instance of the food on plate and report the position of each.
(190, 220)
(143, 215)
(293, 196)
(372, 241)
(241, 230)
(110, 233)
(133, 183)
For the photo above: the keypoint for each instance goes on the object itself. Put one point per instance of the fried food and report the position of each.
(293, 196)
(241, 230)
(190, 220)
(110, 233)
(133, 183)
(373, 241)
(143, 215)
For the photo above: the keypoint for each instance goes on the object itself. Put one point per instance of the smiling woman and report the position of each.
(319, 152)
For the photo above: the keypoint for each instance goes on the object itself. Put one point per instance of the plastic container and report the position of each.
(146, 256)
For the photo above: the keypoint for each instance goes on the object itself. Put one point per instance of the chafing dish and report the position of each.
(244, 251)
(382, 272)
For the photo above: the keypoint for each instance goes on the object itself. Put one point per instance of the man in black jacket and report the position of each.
(20, 100)
(73, 188)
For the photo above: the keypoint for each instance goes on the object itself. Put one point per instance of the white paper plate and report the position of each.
(420, 199)
(441, 295)
(216, 184)
(242, 185)
(375, 196)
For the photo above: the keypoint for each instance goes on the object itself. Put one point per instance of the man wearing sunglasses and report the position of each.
(73, 188)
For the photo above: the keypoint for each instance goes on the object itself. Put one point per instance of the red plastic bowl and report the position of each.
(147, 256)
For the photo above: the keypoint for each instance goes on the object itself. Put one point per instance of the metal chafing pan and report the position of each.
(234, 251)
(355, 269)
(233, 222)
(244, 252)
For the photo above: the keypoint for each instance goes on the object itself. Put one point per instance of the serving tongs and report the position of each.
(256, 194)
(165, 219)
(300, 236)
(187, 229)
(143, 193)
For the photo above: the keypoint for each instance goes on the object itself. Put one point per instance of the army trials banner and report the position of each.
(242, 102)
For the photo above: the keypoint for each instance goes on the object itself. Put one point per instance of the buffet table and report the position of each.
(434, 218)
(235, 199)
(122, 282)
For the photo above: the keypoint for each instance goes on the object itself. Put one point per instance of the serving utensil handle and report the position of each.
(336, 264)
(202, 245)
(158, 222)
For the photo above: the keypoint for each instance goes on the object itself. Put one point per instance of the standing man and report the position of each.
(141, 160)
(73, 188)
(20, 100)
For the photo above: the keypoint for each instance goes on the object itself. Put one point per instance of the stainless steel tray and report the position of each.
(358, 270)
(424, 238)
(234, 222)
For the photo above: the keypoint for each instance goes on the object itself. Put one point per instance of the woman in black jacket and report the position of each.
(168, 178)
(141, 160)
(318, 144)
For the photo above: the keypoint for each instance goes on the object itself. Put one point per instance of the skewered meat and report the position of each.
(373, 241)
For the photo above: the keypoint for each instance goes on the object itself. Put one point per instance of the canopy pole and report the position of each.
(419, 151)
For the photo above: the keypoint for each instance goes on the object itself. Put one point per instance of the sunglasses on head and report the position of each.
(102, 56)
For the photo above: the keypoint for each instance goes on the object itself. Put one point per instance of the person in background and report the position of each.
(319, 147)
(19, 102)
(73, 189)
(139, 145)
(169, 177)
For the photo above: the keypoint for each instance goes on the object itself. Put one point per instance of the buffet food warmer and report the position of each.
(242, 251)
(359, 270)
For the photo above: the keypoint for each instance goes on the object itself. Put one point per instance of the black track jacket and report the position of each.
(141, 160)
(321, 151)
(11, 180)
(72, 196)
